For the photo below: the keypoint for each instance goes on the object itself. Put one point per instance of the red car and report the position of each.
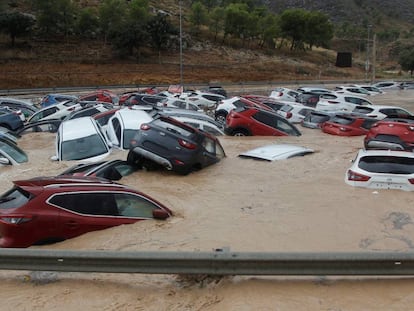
(50, 209)
(394, 134)
(101, 96)
(347, 125)
(246, 121)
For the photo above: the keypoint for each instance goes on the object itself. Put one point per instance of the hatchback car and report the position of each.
(252, 121)
(174, 145)
(112, 170)
(50, 209)
(382, 169)
(347, 125)
(382, 111)
(391, 134)
(341, 102)
(81, 139)
(283, 93)
(294, 113)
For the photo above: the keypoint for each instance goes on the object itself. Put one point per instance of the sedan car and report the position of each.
(382, 169)
(112, 170)
(347, 125)
(50, 209)
(81, 139)
(391, 134)
(10, 153)
(174, 145)
(252, 121)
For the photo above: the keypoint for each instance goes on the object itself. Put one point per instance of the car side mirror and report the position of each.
(4, 161)
(54, 158)
(159, 213)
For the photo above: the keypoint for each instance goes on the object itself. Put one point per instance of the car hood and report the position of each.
(276, 152)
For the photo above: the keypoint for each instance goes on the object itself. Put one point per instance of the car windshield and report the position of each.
(387, 164)
(83, 148)
(14, 198)
(13, 151)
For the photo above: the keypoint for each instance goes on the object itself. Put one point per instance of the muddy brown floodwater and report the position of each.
(300, 204)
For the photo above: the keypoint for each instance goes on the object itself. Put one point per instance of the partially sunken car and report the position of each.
(274, 152)
(10, 153)
(81, 139)
(174, 145)
(50, 209)
(382, 169)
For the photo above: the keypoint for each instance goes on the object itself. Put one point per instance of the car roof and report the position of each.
(77, 128)
(132, 118)
(382, 152)
(276, 152)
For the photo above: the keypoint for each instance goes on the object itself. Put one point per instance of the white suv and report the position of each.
(340, 102)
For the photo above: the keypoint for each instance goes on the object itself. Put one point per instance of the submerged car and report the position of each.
(50, 209)
(276, 152)
(81, 139)
(315, 119)
(112, 170)
(57, 111)
(382, 169)
(10, 153)
(393, 134)
(10, 120)
(347, 125)
(174, 145)
(247, 121)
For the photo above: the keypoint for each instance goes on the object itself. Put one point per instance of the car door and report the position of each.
(114, 130)
(212, 151)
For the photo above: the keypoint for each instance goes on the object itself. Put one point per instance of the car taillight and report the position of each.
(411, 180)
(186, 144)
(288, 115)
(145, 127)
(280, 94)
(15, 220)
(411, 128)
(357, 177)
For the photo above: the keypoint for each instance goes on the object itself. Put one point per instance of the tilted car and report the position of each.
(283, 93)
(101, 96)
(50, 209)
(382, 111)
(57, 111)
(10, 153)
(315, 119)
(382, 169)
(10, 120)
(203, 125)
(294, 113)
(252, 121)
(347, 125)
(202, 99)
(53, 99)
(24, 106)
(112, 170)
(391, 134)
(123, 125)
(176, 146)
(81, 139)
(48, 125)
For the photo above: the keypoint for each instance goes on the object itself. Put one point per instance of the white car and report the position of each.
(202, 99)
(371, 89)
(340, 102)
(294, 113)
(389, 85)
(24, 108)
(123, 125)
(352, 90)
(314, 89)
(10, 153)
(58, 111)
(81, 139)
(382, 111)
(173, 102)
(275, 152)
(382, 169)
(283, 93)
(227, 105)
(201, 124)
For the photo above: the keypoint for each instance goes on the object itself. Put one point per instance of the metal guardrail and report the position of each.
(220, 262)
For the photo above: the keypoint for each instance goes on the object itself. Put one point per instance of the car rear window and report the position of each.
(387, 164)
(173, 127)
(342, 120)
(364, 110)
(14, 198)
(316, 117)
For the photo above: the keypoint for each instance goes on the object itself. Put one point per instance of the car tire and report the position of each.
(240, 132)
(135, 159)
(221, 117)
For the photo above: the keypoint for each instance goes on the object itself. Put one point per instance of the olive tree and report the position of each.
(16, 24)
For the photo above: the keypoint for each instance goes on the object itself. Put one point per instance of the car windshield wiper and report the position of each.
(6, 199)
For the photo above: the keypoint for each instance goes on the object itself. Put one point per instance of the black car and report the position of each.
(169, 143)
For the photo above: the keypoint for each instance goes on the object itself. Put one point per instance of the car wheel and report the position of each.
(221, 117)
(240, 133)
(135, 159)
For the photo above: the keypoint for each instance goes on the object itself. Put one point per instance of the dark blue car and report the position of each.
(10, 119)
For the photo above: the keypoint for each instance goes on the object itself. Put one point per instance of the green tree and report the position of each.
(88, 23)
(111, 16)
(216, 21)
(293, 23)
(236, 20)
(268, 28)
(55, 17)
(16, 24)
(406, 59)
(198, 15)
(160, 31)
(319, 29)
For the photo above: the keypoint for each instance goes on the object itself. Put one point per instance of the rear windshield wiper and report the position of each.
(6, 199)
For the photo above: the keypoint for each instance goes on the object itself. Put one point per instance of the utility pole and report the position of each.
(367, 64)
(374, 56)
(181, 47)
